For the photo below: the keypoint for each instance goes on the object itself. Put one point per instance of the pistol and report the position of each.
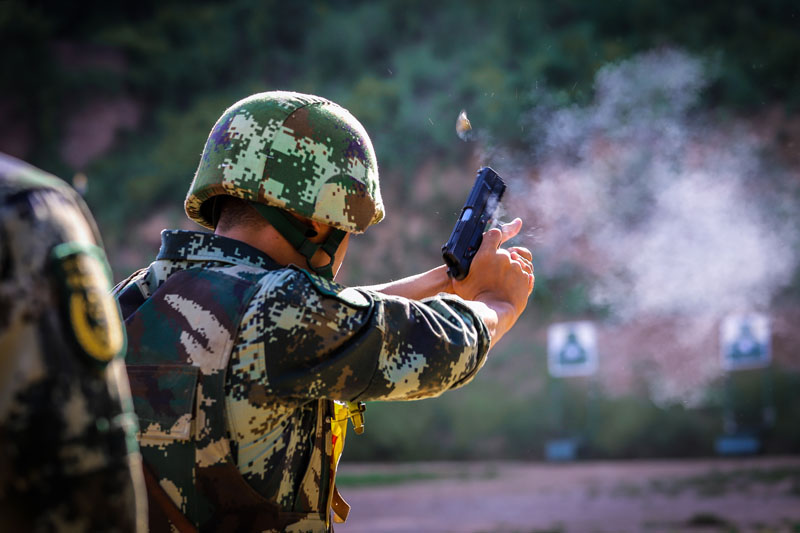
(476, 215)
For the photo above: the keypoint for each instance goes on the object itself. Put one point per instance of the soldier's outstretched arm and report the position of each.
(498, 285)
(418, 286)
(356, 343)
(353, 343)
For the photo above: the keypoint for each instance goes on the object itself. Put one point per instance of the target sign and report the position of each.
(745, 341)
(572, 349)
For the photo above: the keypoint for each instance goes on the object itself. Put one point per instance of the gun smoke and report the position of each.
(672, 214)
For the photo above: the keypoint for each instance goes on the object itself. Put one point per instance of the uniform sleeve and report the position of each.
(67, 428)
(361, 345)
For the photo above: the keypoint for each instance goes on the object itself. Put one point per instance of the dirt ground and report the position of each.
(704, 496)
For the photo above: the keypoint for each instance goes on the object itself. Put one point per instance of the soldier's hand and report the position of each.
(500, 278)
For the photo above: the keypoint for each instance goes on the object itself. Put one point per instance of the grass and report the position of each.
(706, 520)
(717, 483)
(554, 529)
(383, 478)
(628, 490)
(396, 477)
(699, 522)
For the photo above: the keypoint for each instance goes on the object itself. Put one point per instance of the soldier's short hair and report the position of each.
(230, 212)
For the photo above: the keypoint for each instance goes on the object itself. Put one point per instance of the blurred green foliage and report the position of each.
(405, 68)
(490, 419)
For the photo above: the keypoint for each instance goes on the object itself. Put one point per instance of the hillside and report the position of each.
(652, 150)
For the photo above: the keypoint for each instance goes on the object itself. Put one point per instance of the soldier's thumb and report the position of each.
(492, 239)
(511, 229)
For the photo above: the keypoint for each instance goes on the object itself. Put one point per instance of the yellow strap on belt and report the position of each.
(340, 507)
(356, 415)
(342, 411)
(339, 428)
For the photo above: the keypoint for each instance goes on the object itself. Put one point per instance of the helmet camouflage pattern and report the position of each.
(298, 152)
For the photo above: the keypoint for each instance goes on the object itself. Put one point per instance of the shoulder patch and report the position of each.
(89, 310)
(350, 296)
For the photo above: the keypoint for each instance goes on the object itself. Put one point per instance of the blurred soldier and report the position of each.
(246, 358)
(68, 454)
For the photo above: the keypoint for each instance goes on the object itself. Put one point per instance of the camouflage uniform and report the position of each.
(68, 456)
(278, 343)
(235, 360)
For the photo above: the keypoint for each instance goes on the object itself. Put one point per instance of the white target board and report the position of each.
(571, 349)
(745, 341)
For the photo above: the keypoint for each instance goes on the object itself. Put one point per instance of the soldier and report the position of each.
(68, 455)
(246, 359)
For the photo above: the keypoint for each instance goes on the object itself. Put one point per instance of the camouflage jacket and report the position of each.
(68, 454)
(298, 342)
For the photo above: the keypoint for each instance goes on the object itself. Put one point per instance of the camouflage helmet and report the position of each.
(296, 152)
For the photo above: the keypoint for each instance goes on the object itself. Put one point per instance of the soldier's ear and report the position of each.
(319, 229)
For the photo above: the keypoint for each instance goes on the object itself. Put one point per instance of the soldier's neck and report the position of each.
(266, 239)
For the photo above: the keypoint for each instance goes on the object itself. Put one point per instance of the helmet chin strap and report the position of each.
(298, 234)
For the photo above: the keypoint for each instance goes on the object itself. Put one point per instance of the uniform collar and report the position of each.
(182, 245)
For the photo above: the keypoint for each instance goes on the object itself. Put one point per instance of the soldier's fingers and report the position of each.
(524, 252)
(526, 267)
(525, 264)
(492, 240)
(511, 229)
(497, 236)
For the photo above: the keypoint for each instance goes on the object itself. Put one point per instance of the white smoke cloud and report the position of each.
(664, 206)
